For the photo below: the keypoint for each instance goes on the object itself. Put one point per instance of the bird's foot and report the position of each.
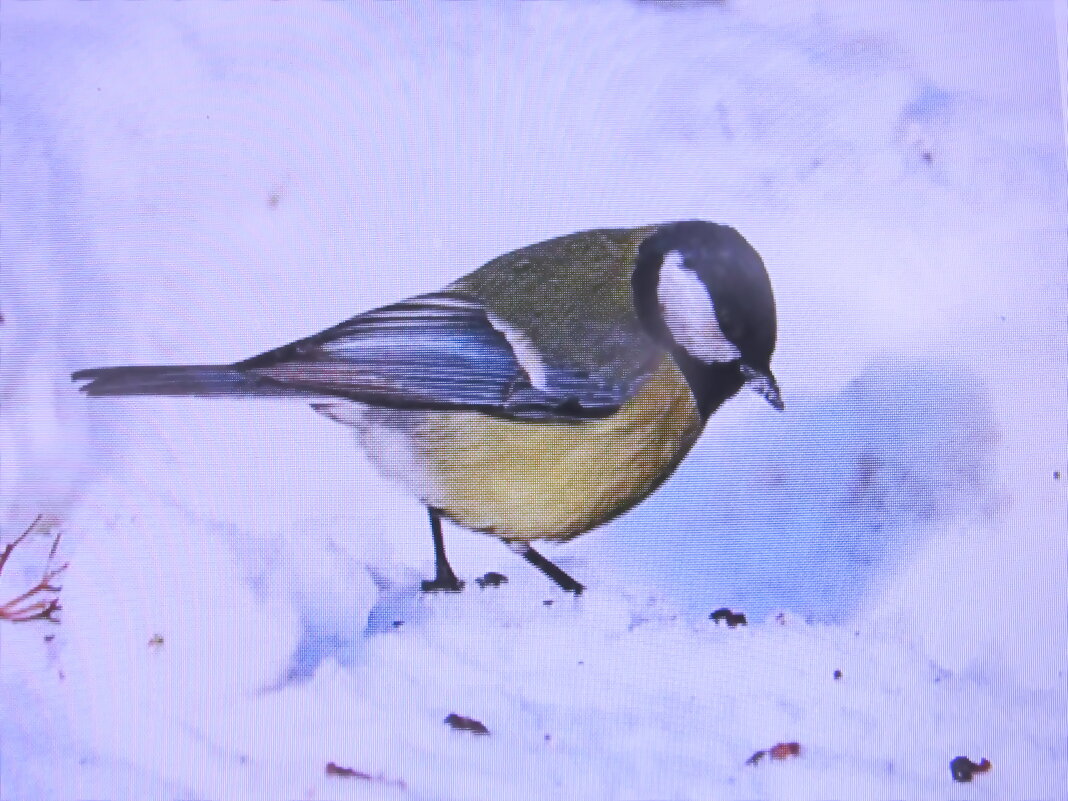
(568, 584)
(562, 579)
(443, 584)
(445, 579)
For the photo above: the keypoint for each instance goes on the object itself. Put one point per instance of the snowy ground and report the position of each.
(193, 183)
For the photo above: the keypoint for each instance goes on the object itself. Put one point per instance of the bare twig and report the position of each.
(30, 605)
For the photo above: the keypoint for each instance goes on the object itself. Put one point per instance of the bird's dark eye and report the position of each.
(727, 322)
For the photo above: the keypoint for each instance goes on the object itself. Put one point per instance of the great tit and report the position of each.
(539, 396)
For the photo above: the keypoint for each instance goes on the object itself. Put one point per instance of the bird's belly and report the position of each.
(523, 481)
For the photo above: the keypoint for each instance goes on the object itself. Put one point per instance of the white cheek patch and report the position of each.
(689, 314)
(525, 352)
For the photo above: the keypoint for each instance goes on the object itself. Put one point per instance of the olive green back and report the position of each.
(572, 297)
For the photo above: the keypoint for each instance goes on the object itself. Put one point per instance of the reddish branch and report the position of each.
(41, 601)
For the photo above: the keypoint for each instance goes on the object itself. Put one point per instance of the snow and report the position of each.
(188, 183)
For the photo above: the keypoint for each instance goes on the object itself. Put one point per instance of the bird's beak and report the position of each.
(764, 384)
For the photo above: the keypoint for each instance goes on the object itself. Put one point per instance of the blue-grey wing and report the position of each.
(441, 351)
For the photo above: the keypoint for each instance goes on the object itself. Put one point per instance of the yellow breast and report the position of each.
(523, 481)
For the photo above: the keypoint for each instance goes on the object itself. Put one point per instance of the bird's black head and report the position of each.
(702, 290)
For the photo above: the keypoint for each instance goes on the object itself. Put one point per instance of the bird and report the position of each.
(537, 397)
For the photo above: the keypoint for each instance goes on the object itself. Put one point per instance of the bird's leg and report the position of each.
(445, 580)
(562, 579)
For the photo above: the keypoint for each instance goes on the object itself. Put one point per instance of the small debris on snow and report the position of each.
(963, 769)
(334, 769)
(779, 751)
(732, 619)
(461, 723)
(784, 750)
(492, 579)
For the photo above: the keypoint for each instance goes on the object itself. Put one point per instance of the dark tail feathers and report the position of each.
(198, 380)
